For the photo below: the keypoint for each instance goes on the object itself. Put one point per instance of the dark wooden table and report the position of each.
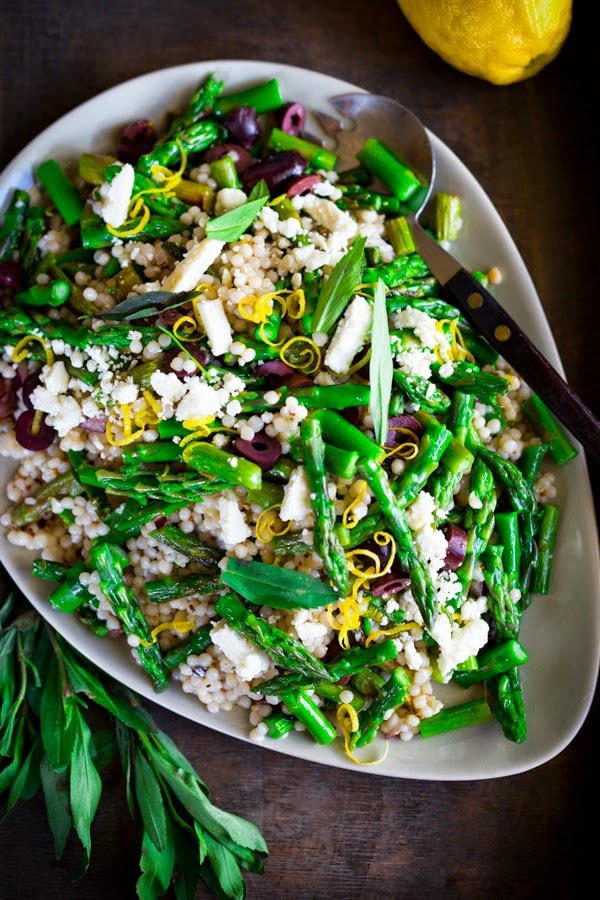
(332, 833)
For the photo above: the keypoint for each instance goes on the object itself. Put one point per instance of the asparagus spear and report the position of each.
(284, 649)
(326, 540)
(110, 561)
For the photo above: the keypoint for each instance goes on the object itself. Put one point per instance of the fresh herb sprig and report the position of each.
(48, 694)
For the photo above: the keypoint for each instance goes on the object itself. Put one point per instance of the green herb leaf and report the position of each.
(150, 303)
(232, 225)
(56, 795)
(150, 800)
(226, 869)
(157, 870)
(57, 720)
(339, 287)
(381, 366)
(278, 588)
(85, 786)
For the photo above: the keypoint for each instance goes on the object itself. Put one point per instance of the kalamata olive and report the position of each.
(381, 551)
(242, 125)
(240, 156)
(274, 170)
(296, 380)
(262, 450)
(395, 425)
(392, 583)
(28, 387)
(38, 440)
(11, 275)
(301, 185)
(274, 371)
(352, 414)
(457, 546)
(136, 139)
(8, 397)
(291, 117)
(199, 353)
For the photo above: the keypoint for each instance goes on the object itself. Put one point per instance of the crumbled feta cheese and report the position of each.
(329, 216)
(249, 662)
(187, 273)
(312, 633)
(125, 391)
(457, 642)
(350, 335)
(228, 199)
(234, 529)
(56, 378)
(200, 401)
(168, 386)
(295, 505)
(113, 204)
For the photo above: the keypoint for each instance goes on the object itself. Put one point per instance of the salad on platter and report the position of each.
(254, 442)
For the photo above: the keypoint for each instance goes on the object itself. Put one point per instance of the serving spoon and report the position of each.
(365, 115)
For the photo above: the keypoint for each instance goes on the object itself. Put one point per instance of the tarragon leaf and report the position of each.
(57, 721)
(232, 225)
(147, 304)
(85, 786)
(150, 801)
(157, 869)
(226, 869)
(56, 795)
(267, 585)
(381, 366)
(339, 287)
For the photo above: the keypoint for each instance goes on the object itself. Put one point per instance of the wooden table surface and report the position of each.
(333, 833)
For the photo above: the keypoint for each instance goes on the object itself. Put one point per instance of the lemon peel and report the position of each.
(502, 42)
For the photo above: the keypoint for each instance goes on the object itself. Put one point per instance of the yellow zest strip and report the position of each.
(269, 525)
(407, 450)
(129, 436)
(181, 626)
(389, 632)
(306, 356)
(348, 720)
(150, 413)
(184, 327)
(361, 362)
(349, 518)
(131, 232)
(199, 428)
(295, 304)
(137, 206)
(37, 421)
(458, 349)
(21, 352)
(256, 309)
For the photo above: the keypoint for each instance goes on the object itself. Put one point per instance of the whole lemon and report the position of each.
(501, 41)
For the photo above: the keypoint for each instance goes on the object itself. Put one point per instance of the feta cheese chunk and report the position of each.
(234, 529)
(249, 661)
(216, 325)
(350, 335)
(295, 505)
(115, 197)
(228, 199)
(187, 273)
(457, 642)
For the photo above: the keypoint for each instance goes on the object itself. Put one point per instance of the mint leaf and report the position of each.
(232, 225)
